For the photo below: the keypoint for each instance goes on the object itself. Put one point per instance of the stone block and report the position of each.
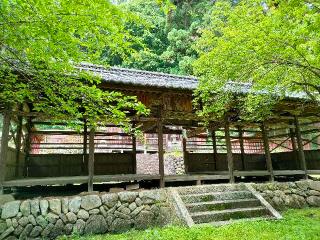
(96, 224)
(10, 209)
(127, 197)
(55, 206)
(110, 199)
(90, 202)
(132, 187)
(4, 198)
(116, 190)
(74, 204)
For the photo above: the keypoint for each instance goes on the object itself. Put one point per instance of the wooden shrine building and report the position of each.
(217, 153)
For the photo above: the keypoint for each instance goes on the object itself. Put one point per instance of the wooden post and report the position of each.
(241, 147)
(134, 153)
(91, 160)
(214, 148)
(267, 150)
(27, 146)
(4, 148)
(294, 147)
(185, 154)
(160, 152)
(85, 146)
(18, 145)
(145, 150)
(300, 147)
(229, 150)
(293, 139)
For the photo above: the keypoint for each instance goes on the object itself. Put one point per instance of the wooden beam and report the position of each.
(279, 144)
(134, 153)
(214, 148)
(91, 160)
(194, 132)
(301, 155)
(18, 145)
(267, 150)
(27, 147)
(4, 148)
(307, 141)
(85, 146)
(185, 154)
(229, 151)
(160, 152)
(241, 146)
(294, 146)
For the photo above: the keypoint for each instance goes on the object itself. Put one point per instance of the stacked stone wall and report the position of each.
(48, 218)
(283, 195)
(98, 213)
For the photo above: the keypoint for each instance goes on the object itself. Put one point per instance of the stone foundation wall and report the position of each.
(84, 214)
(284, 195)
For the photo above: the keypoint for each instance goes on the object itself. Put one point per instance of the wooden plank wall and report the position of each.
(285, 161)
(203, 162)
(113, 163)
(11, 165)
(313, 159)
(55, 165)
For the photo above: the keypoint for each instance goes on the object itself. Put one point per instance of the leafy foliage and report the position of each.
(272, 44)
(172, 29)
(41, 43)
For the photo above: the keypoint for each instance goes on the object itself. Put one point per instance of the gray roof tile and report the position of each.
(163, 80)
(141, 78)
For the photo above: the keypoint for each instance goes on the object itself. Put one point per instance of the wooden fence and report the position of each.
(13, 170)
(204, 162)
(55, 165)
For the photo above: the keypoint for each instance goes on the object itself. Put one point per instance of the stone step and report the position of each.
(225, 215)
(215, 196)
(211, 188)
(222, 223)
(222, 205)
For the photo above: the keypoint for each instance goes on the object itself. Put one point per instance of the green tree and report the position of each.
(42, 42)
(172, 28)
(274, 45)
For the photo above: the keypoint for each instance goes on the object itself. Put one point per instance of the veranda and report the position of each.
(220, 152)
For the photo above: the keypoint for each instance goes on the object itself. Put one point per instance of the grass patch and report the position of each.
(297, 224)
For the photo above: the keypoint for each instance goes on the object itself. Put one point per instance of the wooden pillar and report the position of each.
(18, 145)
(185, 154)
(294, 147)
(145, 150)
(27, 146)
(134, 153)
(293, 139)
(91, 160)
(85, 146)
(4, 148)
(214, 148)
(302, 158)
(241, 147)
(229, 150)
(267, 150)
(160, 152)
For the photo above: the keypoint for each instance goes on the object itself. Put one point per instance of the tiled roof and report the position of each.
(163, 80)
(142, 78)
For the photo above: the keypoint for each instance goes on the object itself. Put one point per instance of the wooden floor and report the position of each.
(78, 180)
(220, 175)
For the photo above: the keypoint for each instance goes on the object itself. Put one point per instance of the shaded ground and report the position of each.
(296, 225)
